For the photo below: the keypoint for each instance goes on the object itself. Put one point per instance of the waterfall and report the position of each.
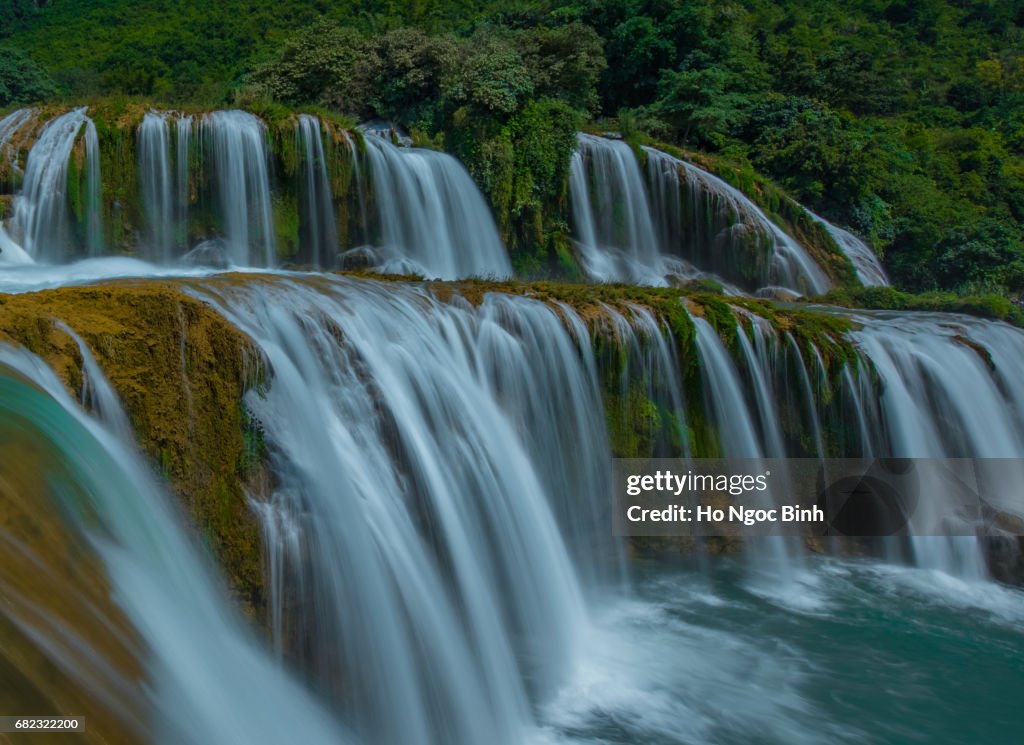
(182, 150)
(642, 369)
(154, 156)
(433, 219)
(11, 126)
(357, 180)
(237, 148)
(949, 390)
(613, 222)
(42, 221)
(719, 229)
(869, 269)
(12, 136)
(319, 239)
(205, 678)
(680, 222)
(93, 191)
(418, 447)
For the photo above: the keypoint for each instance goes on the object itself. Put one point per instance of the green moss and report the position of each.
(887, 298)
(188, 418)
(286, 227)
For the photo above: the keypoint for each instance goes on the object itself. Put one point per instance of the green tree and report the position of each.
(22, 80)
(315, 65)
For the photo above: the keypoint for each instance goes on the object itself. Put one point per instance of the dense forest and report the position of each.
(902, 119)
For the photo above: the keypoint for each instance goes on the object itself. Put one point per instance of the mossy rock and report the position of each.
(181, 371)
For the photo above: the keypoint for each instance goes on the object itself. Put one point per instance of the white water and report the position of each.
(93, 192)
(319, 239)
(416, 448)
(206, 678)
(614, 229)
(433, 220)
(42, 224)
(942, 398)
(725, 228)
(680, 222)
(236, 147)
(425, 574)
(183, 190)
(13, 132)
(153, 146)
(869, 269)
(31, 276)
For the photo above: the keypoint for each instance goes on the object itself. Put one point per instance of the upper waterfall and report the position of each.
(869, 269)
(154, 156)
(679, 220)
(245, 194)
(432, 218)
(318, 237)
(42, 221)
(237, 149)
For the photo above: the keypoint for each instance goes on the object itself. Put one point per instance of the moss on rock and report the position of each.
(181, 371)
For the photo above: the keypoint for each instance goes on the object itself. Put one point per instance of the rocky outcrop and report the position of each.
(181, 371)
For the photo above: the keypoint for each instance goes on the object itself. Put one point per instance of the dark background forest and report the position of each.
(901, 119)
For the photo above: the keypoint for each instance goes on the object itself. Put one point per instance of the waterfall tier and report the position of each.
(224, 184)
(676, 222)
(430, 481)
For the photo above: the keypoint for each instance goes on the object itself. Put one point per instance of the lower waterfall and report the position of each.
(415, 483)
(206, 679)
(434, 520)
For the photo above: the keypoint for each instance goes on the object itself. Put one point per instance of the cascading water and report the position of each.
(364, 223)
(432, 569)
(683, 222)
(319, 239)
(236, 147)
(435, 508)
(434, 514)
(949, 391)
(869, 269)
(433, 220)
(613, 223)
(154, 156)
(717, 228)
(183, 154)
(645, 371)
(12, 135)
(42, 219)
(93, 191)
(205, 679)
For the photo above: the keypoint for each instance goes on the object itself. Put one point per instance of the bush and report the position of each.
(22, 80)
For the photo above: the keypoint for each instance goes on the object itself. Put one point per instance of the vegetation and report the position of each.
(903, 120)
(887, 298)
(181, 371)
